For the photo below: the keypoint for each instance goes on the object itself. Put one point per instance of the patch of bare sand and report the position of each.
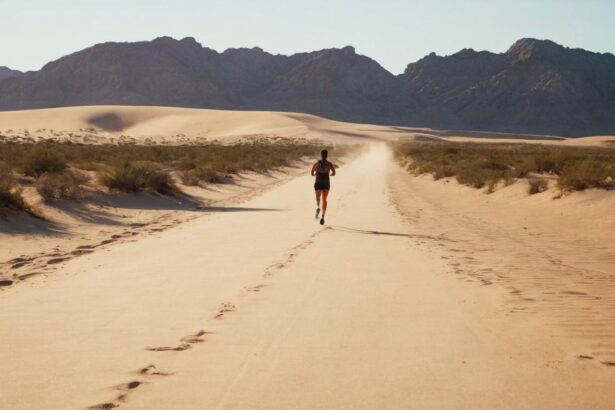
(554, 257)
(33, 249)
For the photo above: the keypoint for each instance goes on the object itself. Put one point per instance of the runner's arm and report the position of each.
(313, 169)
(332, 170)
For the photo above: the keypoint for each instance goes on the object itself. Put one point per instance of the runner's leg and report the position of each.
(325, 194)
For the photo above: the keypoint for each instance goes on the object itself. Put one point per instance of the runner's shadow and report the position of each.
(384, 233)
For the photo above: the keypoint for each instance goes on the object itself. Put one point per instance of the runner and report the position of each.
(321, 170)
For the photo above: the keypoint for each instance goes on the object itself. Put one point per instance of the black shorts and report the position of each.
(321, 186)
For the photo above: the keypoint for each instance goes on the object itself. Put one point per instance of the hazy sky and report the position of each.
(393, 32)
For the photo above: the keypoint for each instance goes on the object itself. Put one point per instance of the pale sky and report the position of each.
(392, 32)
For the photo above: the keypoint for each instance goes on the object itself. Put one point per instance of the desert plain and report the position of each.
(416, 293)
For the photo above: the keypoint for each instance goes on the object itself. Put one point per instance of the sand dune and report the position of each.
(169, 125)
(174, 125)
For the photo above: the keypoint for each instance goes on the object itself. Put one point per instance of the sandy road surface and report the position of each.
(260, 307)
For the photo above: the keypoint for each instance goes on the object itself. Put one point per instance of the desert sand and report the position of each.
(169, 125)
(415, 294)
(98, 124)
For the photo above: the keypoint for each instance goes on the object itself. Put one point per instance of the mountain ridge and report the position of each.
(536, 86)
(6, 72)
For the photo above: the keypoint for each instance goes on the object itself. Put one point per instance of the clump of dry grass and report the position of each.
(537, 186)
(196, 176)
(41, 160)
(480, 165)
(61, 185)
(11, 200)
(135, 177)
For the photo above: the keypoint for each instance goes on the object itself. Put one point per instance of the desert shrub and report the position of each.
(484, 164)
(42, 160)
(11, 200)
(196, 176)
(131, 168)
(61, 185)
(581, 175)
(537, 186)
(135, 177)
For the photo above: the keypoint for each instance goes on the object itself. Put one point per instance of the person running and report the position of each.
(322, 169)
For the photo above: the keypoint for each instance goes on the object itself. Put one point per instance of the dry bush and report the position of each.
(537, 186)
(580, 175)
(132, 168)
(11, 200)
(194, 177)
(484, 164)
(135, 177)
(61, 185)
(41, 160)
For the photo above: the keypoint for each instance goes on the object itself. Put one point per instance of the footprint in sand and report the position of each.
(55, 261)
(86, 247)
(152, 370)
(129, 386)
(121, 398)
(195, 338)
(256, 288)
(179, 348)
(19, 265)
(104, 406)
(6, 282)
(79, 252)
(224, 308)
(28, 275)
(186, 343)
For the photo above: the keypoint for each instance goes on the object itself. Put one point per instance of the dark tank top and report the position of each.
(322, 172)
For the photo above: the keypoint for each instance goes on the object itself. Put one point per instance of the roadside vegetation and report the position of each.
(62, 170)
(486, 164)
(11, 200)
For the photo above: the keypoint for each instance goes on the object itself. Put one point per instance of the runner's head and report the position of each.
(324, 153)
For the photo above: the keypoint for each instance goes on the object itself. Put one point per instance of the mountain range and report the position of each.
(6, 72)
(536, 86)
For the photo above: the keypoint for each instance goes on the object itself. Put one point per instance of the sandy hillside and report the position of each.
(169, 125)
(173, 125)
(258, 306)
